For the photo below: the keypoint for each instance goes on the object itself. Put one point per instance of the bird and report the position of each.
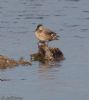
(44, 35)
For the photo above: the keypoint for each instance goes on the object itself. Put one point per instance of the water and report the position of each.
(67, 80)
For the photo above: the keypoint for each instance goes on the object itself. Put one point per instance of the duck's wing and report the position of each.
(51, 34)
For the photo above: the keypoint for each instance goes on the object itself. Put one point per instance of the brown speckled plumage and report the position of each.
(44, 34)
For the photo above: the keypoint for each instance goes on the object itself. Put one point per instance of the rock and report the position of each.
(47, 53)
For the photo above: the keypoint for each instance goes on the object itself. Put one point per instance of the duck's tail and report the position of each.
(57, 37)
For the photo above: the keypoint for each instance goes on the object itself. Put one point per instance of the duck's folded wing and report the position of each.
(51, 33)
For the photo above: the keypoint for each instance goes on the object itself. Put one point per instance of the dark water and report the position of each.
(67, 80)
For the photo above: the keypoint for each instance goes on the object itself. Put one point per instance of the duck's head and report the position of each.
(39, 27)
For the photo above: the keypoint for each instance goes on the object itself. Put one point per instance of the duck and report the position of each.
(44, 34)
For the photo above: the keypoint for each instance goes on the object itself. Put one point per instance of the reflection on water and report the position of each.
(48, 70)
(48, 65)
(67, 80)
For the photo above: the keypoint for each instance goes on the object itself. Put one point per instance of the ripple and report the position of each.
(84, 30)
(87, 18)
(32, 4)
(80, 37)
(48, 68)
(2, 22)
(74, 7)
(22, 32)
(1, 7)
(1, 35)
(23, 79)
(38, 5)
(33, 17)
(1, 27)
(86, 11)
(43, 15)
(59, 15)
(4, 80)
(73, 0)
(61, 29)
(82, 18)
(72, 25)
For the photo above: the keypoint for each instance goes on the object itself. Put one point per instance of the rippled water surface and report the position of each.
(67, 80)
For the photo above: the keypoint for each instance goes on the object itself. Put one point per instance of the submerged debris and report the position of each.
(6, 62)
